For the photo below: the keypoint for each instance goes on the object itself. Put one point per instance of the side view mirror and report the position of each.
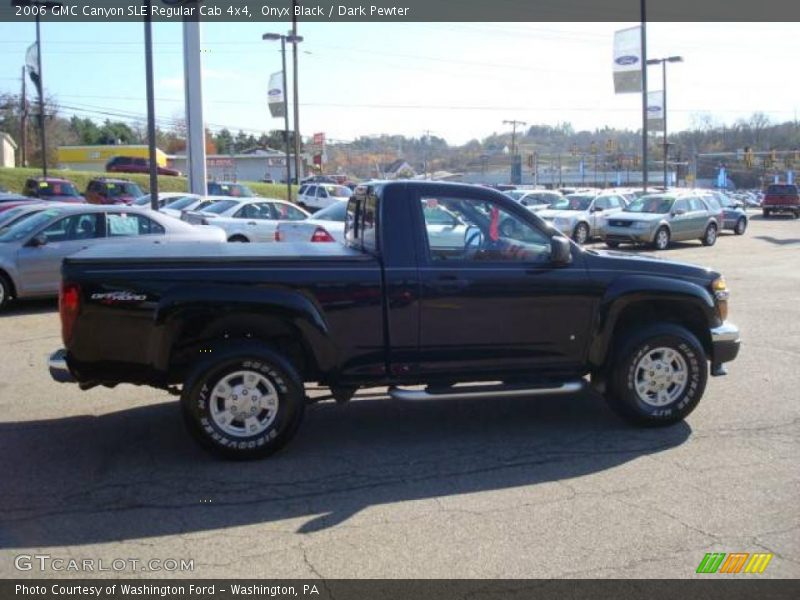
(560, 252)
(597, 209)
(678, 211)
(38, 241)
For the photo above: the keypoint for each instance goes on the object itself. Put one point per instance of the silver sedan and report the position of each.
(32, 249)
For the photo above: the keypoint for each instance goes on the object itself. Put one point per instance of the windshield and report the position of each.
(237, 190)
(143, 201)
(13, 215)
(651, 204)
(220, 207)
(57, 188)
(116, 190)
(573, 202)
(180, 203)
(25, 227)
(335, 212)
(337, 190)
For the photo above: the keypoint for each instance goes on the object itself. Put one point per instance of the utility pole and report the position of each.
(23, 133)
(426, 151)
(296, 96)
(514, 124)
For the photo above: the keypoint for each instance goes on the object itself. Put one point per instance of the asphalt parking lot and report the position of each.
(545, 487)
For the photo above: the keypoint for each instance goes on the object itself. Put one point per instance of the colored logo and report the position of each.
(736, 562)
(653, 109)
(274, 92)
(627, 60)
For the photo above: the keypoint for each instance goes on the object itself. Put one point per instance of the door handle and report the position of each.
(252, 223)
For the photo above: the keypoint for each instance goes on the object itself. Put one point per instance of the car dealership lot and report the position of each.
(545, 487)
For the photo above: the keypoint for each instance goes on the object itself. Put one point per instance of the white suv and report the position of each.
(322, 195)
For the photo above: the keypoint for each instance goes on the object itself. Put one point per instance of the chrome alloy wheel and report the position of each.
(662, 239)
(661, 376)
(244, 403)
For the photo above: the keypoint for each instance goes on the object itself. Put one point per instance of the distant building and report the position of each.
(398, 169)
(8, 147)
(94, 158)
(260, 165)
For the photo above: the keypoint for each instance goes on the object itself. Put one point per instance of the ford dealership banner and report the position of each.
(628, 61)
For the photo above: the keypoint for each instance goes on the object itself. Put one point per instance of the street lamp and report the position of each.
(663, 62)
(292, 39)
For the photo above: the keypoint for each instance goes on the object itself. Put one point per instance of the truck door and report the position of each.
(492, 301)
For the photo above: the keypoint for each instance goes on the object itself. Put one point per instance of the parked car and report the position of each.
(535, 200)
(246, 219)
(243, 329)
(104, 190)
(321, 195)
(659, 219)
(781, 198)
(734, 217)
(581, 215)
(227, 188)
(31, 251)
(326, 225)
(132, 164)
(52, 189)
(164, 199)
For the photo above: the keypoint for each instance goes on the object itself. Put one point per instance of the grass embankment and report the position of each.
(14, 180)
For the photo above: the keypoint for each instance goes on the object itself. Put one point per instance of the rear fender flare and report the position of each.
(195, 312)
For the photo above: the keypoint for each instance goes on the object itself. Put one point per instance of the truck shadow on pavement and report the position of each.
(136, 474)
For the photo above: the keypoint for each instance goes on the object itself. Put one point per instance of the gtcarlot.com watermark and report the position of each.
(46, 562)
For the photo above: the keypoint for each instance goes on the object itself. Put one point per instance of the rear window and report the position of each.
(782, 189)
(335, 212)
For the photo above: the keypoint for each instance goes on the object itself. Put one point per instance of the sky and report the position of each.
(457, 80)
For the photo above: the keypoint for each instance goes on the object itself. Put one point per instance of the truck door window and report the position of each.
(480, 230)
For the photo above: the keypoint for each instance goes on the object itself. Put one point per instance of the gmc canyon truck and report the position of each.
(499, 304)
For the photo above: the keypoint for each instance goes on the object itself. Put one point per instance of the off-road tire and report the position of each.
(200, 398)
(625, 373)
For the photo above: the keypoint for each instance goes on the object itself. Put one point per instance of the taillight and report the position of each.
(278, 236)
(69, 305)
(320, 235)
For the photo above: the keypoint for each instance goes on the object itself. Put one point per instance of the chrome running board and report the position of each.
(483, 391)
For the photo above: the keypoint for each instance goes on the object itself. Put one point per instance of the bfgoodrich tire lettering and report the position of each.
(280, 385)
(625, 396)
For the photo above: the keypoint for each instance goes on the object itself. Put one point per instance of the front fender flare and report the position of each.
(632, 290)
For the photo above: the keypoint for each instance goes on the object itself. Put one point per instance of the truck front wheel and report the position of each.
(244, 402)
(658, 376)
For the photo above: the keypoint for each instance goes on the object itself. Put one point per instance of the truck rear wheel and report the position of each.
(658, 376)
(245, 402)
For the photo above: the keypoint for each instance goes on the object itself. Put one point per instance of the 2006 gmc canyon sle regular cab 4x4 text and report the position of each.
(436, 285)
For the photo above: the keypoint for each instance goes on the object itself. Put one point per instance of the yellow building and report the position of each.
(94, 158)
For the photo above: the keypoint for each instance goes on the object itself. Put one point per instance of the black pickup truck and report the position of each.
(439, 291)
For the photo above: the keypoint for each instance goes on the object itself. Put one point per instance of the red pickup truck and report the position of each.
(781, 198)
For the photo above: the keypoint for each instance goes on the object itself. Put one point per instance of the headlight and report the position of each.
(640, 225)
(721, 295)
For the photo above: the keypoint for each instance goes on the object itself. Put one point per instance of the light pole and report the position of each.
(293, 39)
(295, 86)
(663, 62)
